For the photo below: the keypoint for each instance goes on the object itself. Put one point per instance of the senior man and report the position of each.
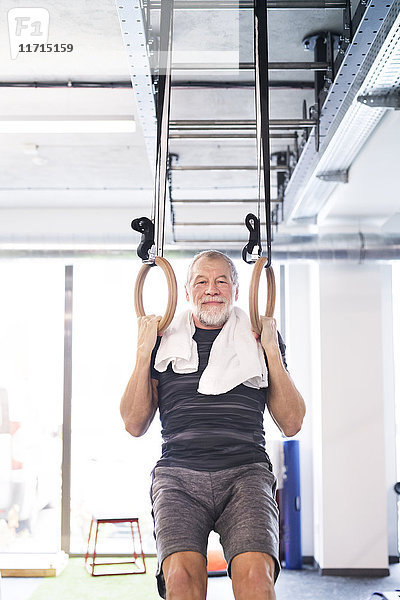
(211, 380)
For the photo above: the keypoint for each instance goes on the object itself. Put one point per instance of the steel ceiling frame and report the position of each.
(134, 35)
(357, 52)
(307, 192)
(133, 16)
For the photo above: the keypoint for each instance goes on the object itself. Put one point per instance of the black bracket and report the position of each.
(340, 176)
(172, 158)
(323, 44)
(253, 225)
(305, 131)
(388, 100)
(146, 227)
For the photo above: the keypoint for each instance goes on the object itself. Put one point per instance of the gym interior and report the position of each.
(168, 113)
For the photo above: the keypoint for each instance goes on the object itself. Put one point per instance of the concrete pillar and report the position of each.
(299, 326)
(352, 437)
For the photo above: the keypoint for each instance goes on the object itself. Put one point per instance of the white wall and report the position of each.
(340, 354)
(351, 479)
(389, 397)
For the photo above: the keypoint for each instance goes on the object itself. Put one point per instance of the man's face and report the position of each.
(211, 292)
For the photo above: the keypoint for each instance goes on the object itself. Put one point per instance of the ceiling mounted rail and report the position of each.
(133, 28)
(322, 66)
(217, 85)
(225, 168)
(238, 124)
(228, 136)
(221, 201)
(249, 4)
(209, 224)
(249, 66)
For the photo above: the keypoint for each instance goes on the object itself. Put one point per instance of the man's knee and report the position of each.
(253, 573)
(179, 580)
(184, 573)
(259, 576)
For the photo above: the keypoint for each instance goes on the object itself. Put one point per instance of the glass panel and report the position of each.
(31, 394)
(110, 469)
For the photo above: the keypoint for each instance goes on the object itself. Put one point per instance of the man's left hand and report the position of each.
(269, 335)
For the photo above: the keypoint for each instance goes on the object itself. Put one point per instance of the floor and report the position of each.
(18, 588)
(306, 584)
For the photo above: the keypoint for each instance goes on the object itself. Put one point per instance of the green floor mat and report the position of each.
(75, 583)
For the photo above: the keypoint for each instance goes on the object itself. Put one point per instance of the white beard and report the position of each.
(213, 316)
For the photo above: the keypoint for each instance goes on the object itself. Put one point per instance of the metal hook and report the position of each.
(146, 248)
(253, 225)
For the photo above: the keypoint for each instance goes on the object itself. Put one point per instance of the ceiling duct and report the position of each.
(346, 247)
(356, 247)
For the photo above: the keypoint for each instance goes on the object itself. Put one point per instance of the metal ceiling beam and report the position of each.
(220, 201)
(238, 124)
(224, 168)
(274, 85)
(209, 224)
(133, 29)
(249, 4)
(210, 136)
(249, 66)
(228, 136)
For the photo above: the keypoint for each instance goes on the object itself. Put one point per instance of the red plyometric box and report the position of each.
(216, 563)
(92, 553)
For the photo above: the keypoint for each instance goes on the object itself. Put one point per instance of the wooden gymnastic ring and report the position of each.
(172, 292)
(253, 294)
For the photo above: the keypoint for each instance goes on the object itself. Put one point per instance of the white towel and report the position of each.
(236, 356)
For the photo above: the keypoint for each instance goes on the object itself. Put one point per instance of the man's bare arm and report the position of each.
(285, 402)
(140, 400)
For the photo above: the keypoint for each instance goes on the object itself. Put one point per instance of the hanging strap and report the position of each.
(153, 231)
(262, 111)
(145, 226)
(262, 127)
(163, 113)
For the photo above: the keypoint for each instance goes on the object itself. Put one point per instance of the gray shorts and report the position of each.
(238, 503)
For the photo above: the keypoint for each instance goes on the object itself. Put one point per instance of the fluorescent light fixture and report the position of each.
(66, 124)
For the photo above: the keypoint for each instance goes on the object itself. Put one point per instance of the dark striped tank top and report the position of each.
(209, 432)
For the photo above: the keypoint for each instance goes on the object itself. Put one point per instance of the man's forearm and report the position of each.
(138, 405)
(285, 402)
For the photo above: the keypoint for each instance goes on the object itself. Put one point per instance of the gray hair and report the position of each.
(213, 254)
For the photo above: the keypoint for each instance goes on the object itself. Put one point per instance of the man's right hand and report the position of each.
(140, 399)
(147, 333)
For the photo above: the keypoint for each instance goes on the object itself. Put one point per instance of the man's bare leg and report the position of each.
(253, 576)
(185, 575)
